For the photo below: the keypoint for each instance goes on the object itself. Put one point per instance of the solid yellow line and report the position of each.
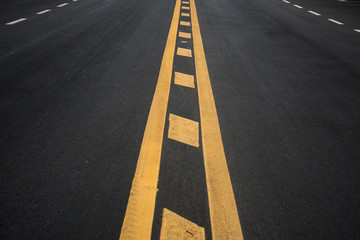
(140, 209)
(225, 223)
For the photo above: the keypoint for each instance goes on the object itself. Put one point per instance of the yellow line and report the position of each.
(185, 23)
(185, 35)
(176, 227)
(184, 52)
(140, 209)
(224, 217)
(183, 130)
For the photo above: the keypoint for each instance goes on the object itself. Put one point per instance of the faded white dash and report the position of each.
(334, 21)
(61, 5)
(16, 21)
(357, 30)
(297, 6)
(42, 12)
(315, 13)
(285, 1)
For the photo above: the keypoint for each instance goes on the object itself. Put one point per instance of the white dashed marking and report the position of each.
(61, 5)
(315, 13)
(42, 12)
(297, 6)
(16, 21)
(334, 21)
(357, 30)
(285, 1)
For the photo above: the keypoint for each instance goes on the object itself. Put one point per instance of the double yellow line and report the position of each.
(139, 215)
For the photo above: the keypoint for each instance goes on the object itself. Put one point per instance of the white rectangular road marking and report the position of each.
(61, 5)
(357, 30)
(16, 21)
(315, 13)
(297, 6)
(42, 12)
(334, 21)
(286, 1)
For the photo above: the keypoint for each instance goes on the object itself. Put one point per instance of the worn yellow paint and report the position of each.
(140, 209)
(185, 2)
(185, 35)
(225, 223)
(183, 130)
(185, 7)
(184, 52)
(185, 23)
(175, 227)
(185, 14)
(184, 79)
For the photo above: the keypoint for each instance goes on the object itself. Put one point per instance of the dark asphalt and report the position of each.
(76, 86)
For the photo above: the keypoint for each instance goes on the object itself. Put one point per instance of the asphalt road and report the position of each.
(76, 87)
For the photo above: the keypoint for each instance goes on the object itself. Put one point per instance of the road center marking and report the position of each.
(175, 227)
(295, 5)
(225, 223)
(185, 14)
(185, 7)
(183, 130)
(141, 205)
(286, 1)
(185, 35)
(184, 52)
(184, 79)
(185, 23)
(16, 21)
(357, 30)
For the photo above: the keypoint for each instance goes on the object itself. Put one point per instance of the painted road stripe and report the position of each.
(357, 30)
(185, 23)
(140, 209)
(16, 21)
(315, 13)
(185, 2)
(334, 21)
(225, 223)
(61, 5)
(184, 52)
(286, 1)
(185, 7)
(175, 227)
(184, 79)
(297, 6)
(42, 12)
(185, 14)
(185, 35)
(183, 130)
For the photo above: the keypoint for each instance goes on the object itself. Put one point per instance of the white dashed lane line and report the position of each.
(315, 13)
(334, 21)
(61, 5)
(42, 12)
(16, 21)
(318, 14)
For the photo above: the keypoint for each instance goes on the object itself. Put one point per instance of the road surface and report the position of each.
(257, 137)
